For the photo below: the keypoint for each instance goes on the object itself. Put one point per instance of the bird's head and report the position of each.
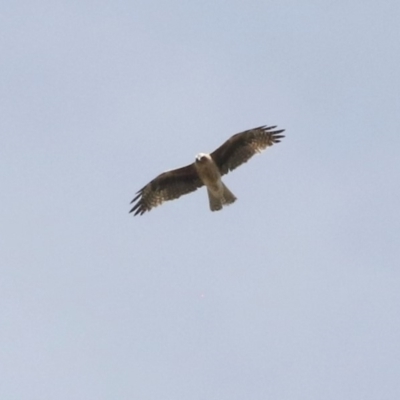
(202, 157)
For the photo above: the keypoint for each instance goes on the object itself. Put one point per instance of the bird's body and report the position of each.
(218, 193)
(207, 170)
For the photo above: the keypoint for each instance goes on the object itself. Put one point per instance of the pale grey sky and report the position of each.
(291, 293)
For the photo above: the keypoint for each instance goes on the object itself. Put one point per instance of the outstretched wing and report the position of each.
(169, 185)
(242, 146)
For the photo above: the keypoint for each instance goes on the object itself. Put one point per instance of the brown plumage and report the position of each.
(207, 170)
(169, 185)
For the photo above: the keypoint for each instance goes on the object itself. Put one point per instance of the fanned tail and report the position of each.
(218, 201)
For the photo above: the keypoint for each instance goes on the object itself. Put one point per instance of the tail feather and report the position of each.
(228, 196)
(217, 201)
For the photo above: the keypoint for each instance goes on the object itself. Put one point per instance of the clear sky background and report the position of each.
(291, 293)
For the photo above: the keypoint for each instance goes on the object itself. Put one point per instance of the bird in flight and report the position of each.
(207, 170)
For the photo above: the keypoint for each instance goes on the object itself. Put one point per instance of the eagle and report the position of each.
(207, 170)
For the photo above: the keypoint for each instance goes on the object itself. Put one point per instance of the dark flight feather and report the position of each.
(241, 147)
(169, 185)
